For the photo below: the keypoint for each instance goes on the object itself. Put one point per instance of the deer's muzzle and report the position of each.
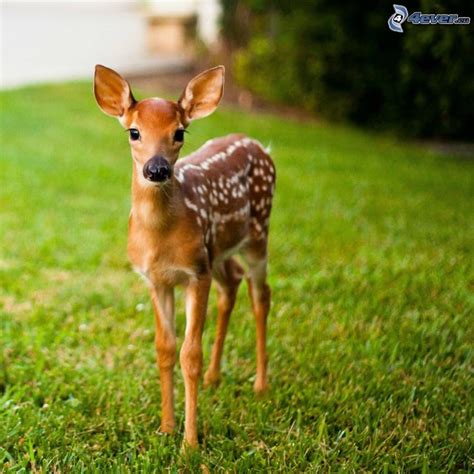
(157, 169)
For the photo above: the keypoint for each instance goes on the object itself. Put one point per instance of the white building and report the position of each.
(63, 40)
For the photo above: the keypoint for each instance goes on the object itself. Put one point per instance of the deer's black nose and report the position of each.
(157, 169)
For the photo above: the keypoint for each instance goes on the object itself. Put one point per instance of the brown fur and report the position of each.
(184, 231)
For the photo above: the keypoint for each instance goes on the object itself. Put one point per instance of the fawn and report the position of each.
(188, 219)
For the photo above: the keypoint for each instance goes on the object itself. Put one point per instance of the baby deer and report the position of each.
(188, 219)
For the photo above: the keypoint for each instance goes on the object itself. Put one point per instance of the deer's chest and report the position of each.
(158, 258)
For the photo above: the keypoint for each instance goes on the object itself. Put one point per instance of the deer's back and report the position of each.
(228, 184)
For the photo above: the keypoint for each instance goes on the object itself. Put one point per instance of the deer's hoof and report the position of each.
(167, 427)
(189, 445)
(212, 379)
(260, 387)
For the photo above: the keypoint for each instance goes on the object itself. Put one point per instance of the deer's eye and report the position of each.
(179, 135)
(134, 134)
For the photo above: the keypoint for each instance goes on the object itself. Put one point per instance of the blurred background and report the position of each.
(53, 41)
(329, 59)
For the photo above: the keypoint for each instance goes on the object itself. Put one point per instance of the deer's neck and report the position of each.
(155, 207)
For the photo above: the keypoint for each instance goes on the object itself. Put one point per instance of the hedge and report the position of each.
(340, 60)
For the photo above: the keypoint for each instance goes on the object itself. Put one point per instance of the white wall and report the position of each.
(60, 40)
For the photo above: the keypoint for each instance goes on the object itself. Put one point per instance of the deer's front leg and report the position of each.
(197, 293)
(165, 341)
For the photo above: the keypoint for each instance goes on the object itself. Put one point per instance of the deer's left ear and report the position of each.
(202, 94)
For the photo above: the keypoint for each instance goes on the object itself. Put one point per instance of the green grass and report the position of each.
(370, 334)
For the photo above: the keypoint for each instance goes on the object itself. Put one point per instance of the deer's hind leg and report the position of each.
(227, 276)
(260, 294)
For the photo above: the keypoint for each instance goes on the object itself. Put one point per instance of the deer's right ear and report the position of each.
(112, 92)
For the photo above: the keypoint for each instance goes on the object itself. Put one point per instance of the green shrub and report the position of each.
(341, 61)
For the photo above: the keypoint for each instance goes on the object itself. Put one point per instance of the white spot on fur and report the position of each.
(190, 204)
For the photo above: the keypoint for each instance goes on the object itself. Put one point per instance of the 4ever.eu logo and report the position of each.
(417, 18)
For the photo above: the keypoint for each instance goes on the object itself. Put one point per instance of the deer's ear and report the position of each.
(112, 92)
(202, 94)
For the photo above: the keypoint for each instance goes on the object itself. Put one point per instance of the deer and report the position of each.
(201, 219)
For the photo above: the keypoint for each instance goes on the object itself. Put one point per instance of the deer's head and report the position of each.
(156, 126)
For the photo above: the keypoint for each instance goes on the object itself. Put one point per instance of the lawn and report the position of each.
(370, 333)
